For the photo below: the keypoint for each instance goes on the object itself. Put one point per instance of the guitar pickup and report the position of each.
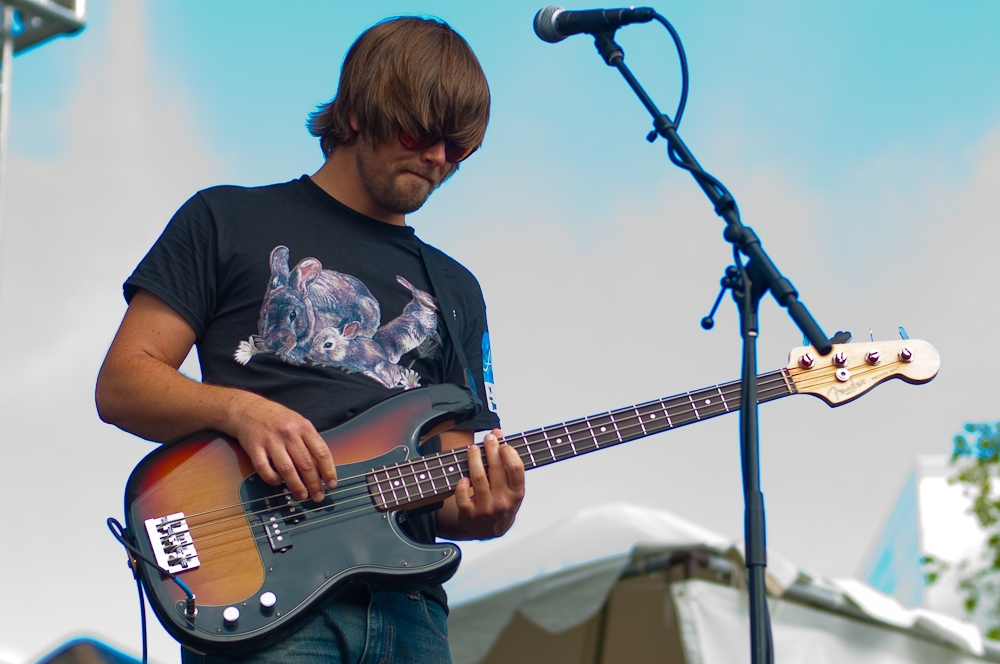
(172, 543)
(272, 509)
(292, 511)
(276, 536)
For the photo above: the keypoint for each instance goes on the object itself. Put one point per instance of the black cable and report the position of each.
(118, 530)
(684, 68)
(142, 617)
(704, 178)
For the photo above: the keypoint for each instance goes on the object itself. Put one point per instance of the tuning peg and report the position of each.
(870, 335)
(902, 333)
(841, 337)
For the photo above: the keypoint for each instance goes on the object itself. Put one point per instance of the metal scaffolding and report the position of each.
(26, 24)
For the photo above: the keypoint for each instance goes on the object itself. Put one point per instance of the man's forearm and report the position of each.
(145, 396)
(140, 390)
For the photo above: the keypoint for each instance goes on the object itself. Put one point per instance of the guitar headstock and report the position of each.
(850, 370)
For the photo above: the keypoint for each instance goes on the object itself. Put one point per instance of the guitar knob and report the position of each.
(806, 361)
(268, 600)
(231, 614)
(906, 355)
(840, 359)
(872, 357)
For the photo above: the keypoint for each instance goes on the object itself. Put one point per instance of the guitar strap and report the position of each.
(449, 314)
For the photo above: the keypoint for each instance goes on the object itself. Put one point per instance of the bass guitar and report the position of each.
(258, 561)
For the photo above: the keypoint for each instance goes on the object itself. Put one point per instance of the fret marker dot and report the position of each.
(652, 416)
(422, 476)
(396, 483)
(451, 469)
(558, 440)
(708, 401)
(604, 429)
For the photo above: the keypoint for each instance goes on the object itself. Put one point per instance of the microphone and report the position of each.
(553, 24)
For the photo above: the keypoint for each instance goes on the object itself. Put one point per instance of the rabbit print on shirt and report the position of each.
(327, 318)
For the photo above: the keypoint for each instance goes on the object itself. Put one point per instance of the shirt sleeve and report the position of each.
(475, 341)
(181, 267)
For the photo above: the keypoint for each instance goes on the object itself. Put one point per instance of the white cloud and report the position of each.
(587, 317)
(75, 227)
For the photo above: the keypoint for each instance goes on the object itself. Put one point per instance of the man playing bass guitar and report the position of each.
(309, 301)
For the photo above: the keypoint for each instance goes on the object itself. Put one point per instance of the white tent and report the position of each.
(930, 517)
(628, 584)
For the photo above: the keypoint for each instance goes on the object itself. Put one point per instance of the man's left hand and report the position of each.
(486, 501)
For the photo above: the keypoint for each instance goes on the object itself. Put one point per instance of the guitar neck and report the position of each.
(426, 479)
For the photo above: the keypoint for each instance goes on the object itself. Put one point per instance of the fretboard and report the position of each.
(426, 478)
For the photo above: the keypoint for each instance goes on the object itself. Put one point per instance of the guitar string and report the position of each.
(768, 383)
(364, 495)
(560, 455)
(352, 513)
(558, 450)
(510, 440)
(562, 451)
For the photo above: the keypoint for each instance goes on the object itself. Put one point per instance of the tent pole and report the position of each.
(6, 80)
(597, 656)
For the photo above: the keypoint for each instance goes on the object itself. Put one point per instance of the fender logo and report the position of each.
(855, 385)
(849, 388)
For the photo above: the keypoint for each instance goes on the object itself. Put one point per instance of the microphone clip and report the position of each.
(609, 49)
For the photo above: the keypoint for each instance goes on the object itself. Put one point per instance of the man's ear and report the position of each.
(352, 118)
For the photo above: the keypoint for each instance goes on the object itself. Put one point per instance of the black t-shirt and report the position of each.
(296, 297)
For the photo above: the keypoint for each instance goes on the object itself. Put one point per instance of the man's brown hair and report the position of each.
(411, 73)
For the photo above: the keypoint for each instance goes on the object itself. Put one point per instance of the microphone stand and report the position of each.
(748, 284)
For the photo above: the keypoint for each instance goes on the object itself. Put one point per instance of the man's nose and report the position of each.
(434, 155)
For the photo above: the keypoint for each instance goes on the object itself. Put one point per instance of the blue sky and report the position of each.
(819, 87)
(862, 141)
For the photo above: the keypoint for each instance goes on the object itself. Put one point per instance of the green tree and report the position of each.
(976, 457)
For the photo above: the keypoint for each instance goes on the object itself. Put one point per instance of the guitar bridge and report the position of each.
(173, 545)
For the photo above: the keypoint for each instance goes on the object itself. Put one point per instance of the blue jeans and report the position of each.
(363, 626)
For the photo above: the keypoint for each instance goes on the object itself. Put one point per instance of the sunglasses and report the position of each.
(452, 153)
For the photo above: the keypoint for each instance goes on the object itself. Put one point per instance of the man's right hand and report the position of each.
(284, 447)
(140, 390)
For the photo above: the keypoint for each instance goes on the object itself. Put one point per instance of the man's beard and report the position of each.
(384, 186)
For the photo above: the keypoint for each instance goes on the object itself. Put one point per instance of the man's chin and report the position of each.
(404, 203)
(413, 194)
